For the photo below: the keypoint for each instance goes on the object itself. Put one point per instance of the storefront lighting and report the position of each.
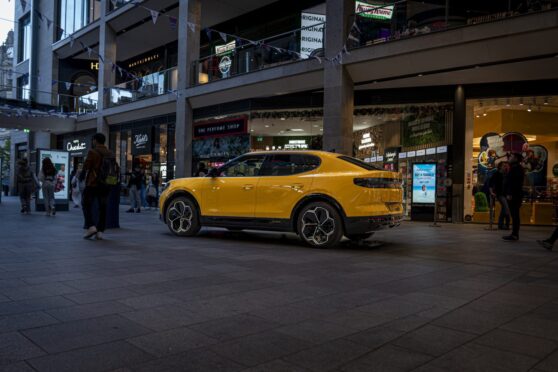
(484, 114)
(273, 147)
(529, 109)
(283, 119)
(478, 116)
(297, 130)
(508, 102)
(267, 126)
(267, 148)
(521, 102)
(546, 101)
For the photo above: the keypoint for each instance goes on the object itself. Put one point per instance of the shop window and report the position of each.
(23, 88)
(506, 125)
(289, 164)
(245, 166)
(24, 39)
(75, 14)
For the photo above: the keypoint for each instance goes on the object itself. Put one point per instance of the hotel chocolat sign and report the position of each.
(141, 141)
(76, 146)
(226, 127)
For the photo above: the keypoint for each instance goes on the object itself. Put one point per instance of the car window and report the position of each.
(244, 166)
(359, 163)
(289, 164)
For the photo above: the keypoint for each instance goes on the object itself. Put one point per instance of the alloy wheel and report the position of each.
(317, 225)
(180, 217)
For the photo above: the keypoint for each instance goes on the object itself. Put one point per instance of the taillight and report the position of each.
(378, 183)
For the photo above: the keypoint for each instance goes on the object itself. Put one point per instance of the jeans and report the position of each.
(143, 198)
(90, 196)
(504, 218)
(515, 207)
(554, 236)
(135, 197)
(25, 192)
(48, 195)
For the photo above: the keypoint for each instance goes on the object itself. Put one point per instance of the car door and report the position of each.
(286, 178)
(233, 192)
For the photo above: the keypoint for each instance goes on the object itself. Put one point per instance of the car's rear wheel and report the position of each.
(319, 225)
(359, 237)
(182, 217)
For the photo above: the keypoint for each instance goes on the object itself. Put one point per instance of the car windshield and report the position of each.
(359, 163)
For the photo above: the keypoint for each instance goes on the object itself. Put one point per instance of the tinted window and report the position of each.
(244, 166)
(288, 164)
(359, 163)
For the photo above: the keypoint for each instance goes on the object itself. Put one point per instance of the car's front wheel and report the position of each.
(320, 225)
(182, 217)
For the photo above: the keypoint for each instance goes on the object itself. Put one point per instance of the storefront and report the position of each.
(77, 144)
(506, 125)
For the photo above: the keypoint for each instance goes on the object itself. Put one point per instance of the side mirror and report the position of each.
(213, 172)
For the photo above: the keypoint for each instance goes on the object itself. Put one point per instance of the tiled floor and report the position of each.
(455, 298)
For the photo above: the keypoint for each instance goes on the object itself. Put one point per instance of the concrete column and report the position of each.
(188, 52)
(458, 153)
(106, 77)
(338, 85)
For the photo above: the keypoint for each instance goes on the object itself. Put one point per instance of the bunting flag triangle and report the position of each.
(113, 3)
(89, 50)
(120, 71)
(93, 88)
(319, 59)
(192, 26)
(68, 85)
(208, 33)
(23, 4)
(101, 58)
(345, 50)
(352, 37)
(49, 22)
(39, 15)
(113, 67)
(223, 36)
(356, 28)
(154, 15)
(173, 21)
(54, 82)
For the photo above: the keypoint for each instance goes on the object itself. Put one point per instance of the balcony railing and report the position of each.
(239, 56)
(374, 24)
(152, 85)
(78, 104)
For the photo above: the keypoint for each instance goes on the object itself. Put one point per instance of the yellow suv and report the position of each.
(319, 195)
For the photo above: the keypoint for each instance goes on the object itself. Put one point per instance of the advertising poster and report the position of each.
(221, 147)
(423, 127)
(311, 33)
(424, 183)
(61, 161)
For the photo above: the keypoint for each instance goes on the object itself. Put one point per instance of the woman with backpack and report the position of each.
(47, 176)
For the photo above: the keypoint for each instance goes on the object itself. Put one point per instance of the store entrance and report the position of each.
(145, 162)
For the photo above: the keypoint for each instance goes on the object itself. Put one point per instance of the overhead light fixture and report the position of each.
(251, 130)
(315, 125)
(267, 126)
(529, 109)
(478, 116)
(419, 75)
(484, 114)
(283, 118)
(546, 100)
(521, 102)
(508, 102)
(297, 130)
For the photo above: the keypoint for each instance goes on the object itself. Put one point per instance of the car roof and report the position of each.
(310, 152)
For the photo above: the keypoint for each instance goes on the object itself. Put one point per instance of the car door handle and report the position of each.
(247, 187)
(297, 186)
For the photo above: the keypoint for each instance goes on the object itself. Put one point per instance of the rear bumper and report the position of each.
(362, 225)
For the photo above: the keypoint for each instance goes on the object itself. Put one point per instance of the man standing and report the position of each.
(497, 193)
(513, 188)
(94, 189)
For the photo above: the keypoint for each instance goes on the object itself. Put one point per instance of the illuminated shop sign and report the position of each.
(366, 141)
(375, 11)
(76, 146)
(226, 127)
(94, 66)
(141, 61)
(296, 145)
(224, 49)
(141, 141)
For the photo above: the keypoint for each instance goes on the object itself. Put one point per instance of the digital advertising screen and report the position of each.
(61, 161)
(424, 183)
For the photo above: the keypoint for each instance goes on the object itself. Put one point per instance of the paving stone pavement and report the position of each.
(455, 298)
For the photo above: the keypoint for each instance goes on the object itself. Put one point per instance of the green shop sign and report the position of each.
(423, 128)
(375, 11)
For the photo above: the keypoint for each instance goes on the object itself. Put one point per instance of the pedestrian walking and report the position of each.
(153, 190)
(201, 171)
(134, 186)
(549, 243)
(76, 191)
(26, 185)
(497, 192)
(47, 176)
(99, 165)
(143, 190)
(513, 188)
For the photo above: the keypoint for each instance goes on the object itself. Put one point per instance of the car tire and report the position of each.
(182, 216)
(319, 225)
(359, 237)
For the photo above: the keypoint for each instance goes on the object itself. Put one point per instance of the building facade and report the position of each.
(6, 65)
(399, 84)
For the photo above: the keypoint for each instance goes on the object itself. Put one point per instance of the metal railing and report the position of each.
(152, 85)
(78, 104)
(375, 24)
(237, 56)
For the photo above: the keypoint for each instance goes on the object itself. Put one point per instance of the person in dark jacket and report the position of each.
(513, 189)
(47, 177)
(26, 183)
(497, 192)
(94, 191)
(135, 182)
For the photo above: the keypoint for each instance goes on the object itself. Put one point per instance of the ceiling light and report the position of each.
(508, 102)
(521, 102)
(419, 75)
(283, 119)
(315, 126)
(478, 116)
(251, 130)
(529, 109)
(484, 114)
(297, 130)
(546, 101)
(267, 126)
(322, 129)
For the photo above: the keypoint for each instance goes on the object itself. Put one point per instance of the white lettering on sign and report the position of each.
(140, 140)
(366, 141)
(76, 145)
(311, 33)
(223, 49)
(374, 10)
(225, 65)
(296, 144)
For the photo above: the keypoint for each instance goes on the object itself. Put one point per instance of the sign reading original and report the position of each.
(311, 33)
